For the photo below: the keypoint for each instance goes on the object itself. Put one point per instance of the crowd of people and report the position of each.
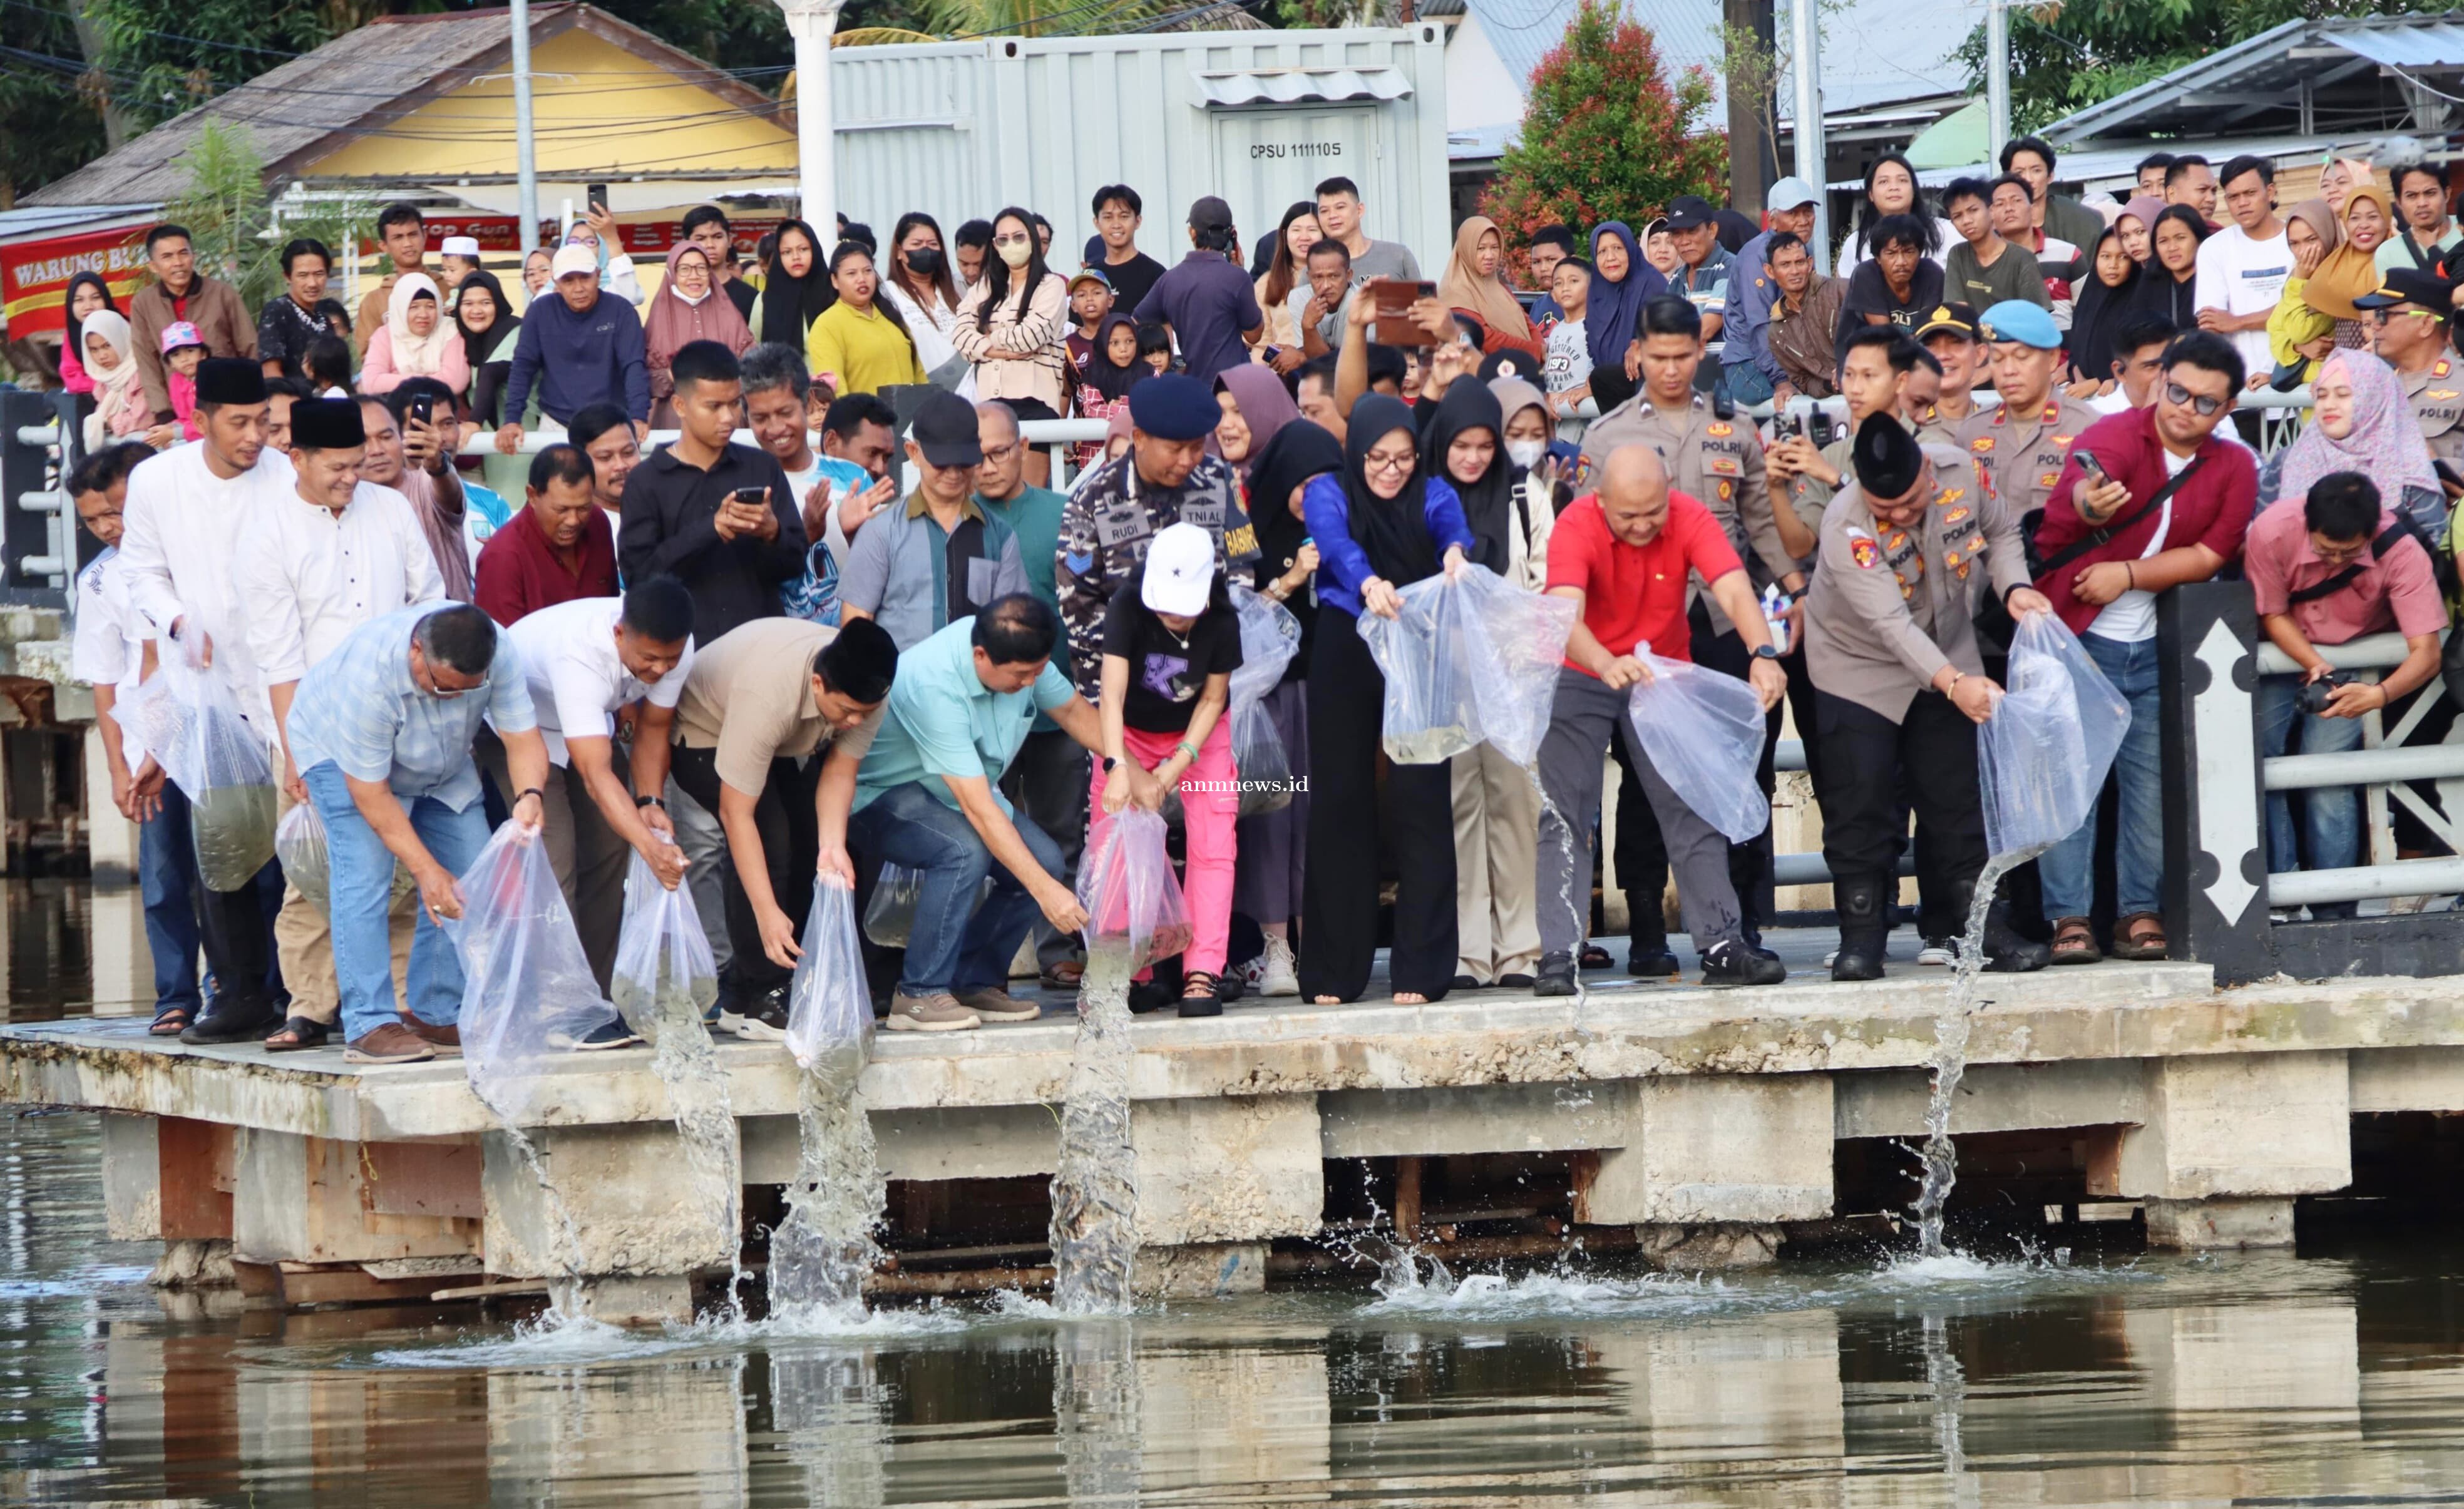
(425, 550)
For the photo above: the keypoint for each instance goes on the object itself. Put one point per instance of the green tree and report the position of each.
(2069, 54)
(231, 220)
(50, 119)
(1606, 136)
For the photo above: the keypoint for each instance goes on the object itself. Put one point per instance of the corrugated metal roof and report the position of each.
(1286, 86)
(16, 224)
(2425, 43)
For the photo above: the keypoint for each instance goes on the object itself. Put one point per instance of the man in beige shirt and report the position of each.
(759, 705)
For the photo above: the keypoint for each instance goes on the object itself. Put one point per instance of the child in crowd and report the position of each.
(1568, 372)
(1091, 301)
(1155, 347)
(326, 364)
(183, 351)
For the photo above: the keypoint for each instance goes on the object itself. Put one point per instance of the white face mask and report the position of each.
(1525, 454)
(1016, 252)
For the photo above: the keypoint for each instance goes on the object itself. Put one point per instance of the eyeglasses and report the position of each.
(999, 455)
(1376, 461)
(2204, 405)
(1009, 240)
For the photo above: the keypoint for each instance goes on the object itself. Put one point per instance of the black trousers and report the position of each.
(236, 927)
(791, 842)
(1874, 771)
(1347, 697)
(1750, 863)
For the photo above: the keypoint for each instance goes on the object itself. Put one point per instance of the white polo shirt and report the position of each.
(577, 679)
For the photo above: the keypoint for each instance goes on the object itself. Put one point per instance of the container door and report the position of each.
(1268, 159)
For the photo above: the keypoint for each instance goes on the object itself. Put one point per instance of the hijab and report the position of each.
(2144, 209)
(1489, 300)
(789, 305)
(1614, 311)
(1487, 504)
(1265, 408)
(2099, 311)
(676, 321)
(1394, 532)
(2347, 271)
(415, 356)
(110, 388)
(68, 308)
(1298, 452)
(1113, 383)
(2159, 293)
(2385, 443)
(482, 346)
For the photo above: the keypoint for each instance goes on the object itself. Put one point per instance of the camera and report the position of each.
(2315, 694)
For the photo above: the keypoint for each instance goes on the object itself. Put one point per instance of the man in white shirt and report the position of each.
(591, 662)
(313, 566)
(186, 511)
(2243, 267)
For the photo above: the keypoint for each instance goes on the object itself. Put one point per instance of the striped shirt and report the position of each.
(361, 708)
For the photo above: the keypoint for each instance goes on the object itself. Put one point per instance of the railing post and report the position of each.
(2215, 813)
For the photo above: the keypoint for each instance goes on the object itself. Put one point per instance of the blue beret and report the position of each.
(2018, 320)
(1174, 406)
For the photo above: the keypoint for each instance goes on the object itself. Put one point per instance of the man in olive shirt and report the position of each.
(759, 705)
(2020, 446)
(1985, 269)
(1908, 553)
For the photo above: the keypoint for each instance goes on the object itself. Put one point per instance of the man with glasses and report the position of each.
(2408, 325)
(382, 729)
(2168, 503)
(918, 568)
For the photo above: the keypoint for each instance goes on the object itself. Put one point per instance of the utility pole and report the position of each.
(525, 147)
(1750, 30)
(810, 22)
(1805, 46)
(1997, 73)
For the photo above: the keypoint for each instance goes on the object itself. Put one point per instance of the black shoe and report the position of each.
(233, 1018)
(1202, 1006)
(1229, 989)
(1463, 982)
(1514, 982)
(1557, 977)
(1150, 995)
(1864, 926)
(1652, 964)
(764, 1018)
(1595, 957)
(1762, 952)
(1731, 963)
(2006, 953)
(609, 1033)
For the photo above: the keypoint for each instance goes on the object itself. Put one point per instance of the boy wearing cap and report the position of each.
(1208, 302)
(1909, 550)
(1091, 299)
(2020, 446)
(1171, 645)
(922, 566)
(1753, 373)
(183, 351)
(457, 260)
(2407, 319)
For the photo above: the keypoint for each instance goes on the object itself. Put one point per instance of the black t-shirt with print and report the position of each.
(1167, 671)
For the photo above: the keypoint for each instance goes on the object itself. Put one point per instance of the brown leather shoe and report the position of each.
(446, 1040)
(391, 1043)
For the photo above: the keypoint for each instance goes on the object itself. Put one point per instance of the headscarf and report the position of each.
(1614, 311)
(1113, 383)
(480, 345)
(1265, 407)
(68, 307)
(415, 356)
(2144, 209)
(1488, 298)
(1299, 452)
(580, 234)
(2346, 272)
(1487, 504)
(110, 388)
(2158, 292)
(789, 305)
(675, 322)
(1394, 532)
(2099, 311)
(2385, 443)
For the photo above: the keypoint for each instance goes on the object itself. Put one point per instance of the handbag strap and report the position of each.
(2095, 538)
(2387, 540)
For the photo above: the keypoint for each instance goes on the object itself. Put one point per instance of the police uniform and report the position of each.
(2437, 393)
(1716, 462)
(2020, 456)
(1937, 428)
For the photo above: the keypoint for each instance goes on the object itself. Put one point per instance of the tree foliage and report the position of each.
(1606, 136)
(49, 124)
(2068, 54)
(231, 221)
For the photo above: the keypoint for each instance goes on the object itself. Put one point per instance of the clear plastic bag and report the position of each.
(299, 844)
(1469, 662)
(1269, 638)
(527, 991)
(890, 915)
(663, 976)
(192, 726)
(829, 1004)
(2043, 757)
(1703, 732)
(1258, 754)
(1132, 897)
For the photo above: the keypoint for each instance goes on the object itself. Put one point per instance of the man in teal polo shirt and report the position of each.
(928, 798)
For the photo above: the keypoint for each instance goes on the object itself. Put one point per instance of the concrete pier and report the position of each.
(1701, 1125)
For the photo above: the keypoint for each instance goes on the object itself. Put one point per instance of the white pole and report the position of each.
(1812, 156)
(1997, 73)
(526, 149)
(810, 22)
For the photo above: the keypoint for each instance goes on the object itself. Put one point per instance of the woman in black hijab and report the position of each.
(2102, 306)
(489, 343)
(1273, 852)
(797, 288)
(1381, 523)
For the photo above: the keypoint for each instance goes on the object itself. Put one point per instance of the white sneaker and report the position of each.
(1830, 958)
(1939, 951)
(1280, 977)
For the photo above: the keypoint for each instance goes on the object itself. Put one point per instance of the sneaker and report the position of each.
(446, 1040)
(391, 1043)
(1651, 964)
(1731, 963)
(1940, 951)
(938, 1012)
(2283, 915)
(1280, 976)
(1557, 977)
(764, 1018)
(609, 1033)
(995, 1004)
(1250, 973)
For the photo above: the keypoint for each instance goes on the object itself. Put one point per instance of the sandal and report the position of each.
(303, 1033)
(170, 1021)
(1200, 994)
(1062, 976)
(2075, 941)
(1595, 957)
(2140, 935)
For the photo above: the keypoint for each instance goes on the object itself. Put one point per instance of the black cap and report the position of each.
(1950, 320)
(861, 660)
(945, 431)
(2410, 285)
(1888, 458)
(1687, 211)
(1210, 214)
(230, 380)
(1508, 363)
(327, 424)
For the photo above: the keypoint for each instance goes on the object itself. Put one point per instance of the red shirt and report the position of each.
(2212, 509)
(2398, 592)
(1637, 593)
(520, 573)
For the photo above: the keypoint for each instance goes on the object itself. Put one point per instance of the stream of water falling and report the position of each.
(1950, 1064)
(821, 1252)
(683, 1058)
(1095, 1190)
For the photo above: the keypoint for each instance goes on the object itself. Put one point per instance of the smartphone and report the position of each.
(1391, 299)
(752, 497)
(595, 195)
(2097, 475)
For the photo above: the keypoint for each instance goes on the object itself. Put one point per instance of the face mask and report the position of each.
(1525, 454)
(1017, 254)
(925, 261)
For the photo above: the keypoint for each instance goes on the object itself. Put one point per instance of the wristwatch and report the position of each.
(1108, 763)
(1764, 653)
(640, 802)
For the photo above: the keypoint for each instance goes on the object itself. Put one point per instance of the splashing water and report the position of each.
(681, 1056)
(1095, 1193)
(821, 1252)
(1950, 1064)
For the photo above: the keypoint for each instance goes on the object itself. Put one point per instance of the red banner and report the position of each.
(502, 233)
(35, 277)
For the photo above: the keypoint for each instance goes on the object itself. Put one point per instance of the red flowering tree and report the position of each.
(1605, 135)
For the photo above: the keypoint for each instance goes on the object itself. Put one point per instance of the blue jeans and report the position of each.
(1747, 383)
(2331, 815)
(166, 873)
(948, 950)
(362, 886)
(2068, 869)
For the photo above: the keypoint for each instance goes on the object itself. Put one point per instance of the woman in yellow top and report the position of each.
(2299, 336)
(858, 345)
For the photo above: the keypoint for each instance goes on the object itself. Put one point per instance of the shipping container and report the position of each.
(960, 129)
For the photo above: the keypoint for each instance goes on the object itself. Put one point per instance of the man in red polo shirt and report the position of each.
(560, 546)
(1623, 555)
